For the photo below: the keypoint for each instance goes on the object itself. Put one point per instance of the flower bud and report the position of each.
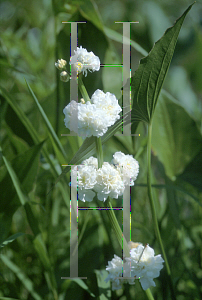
(64, 76)
(61, 64)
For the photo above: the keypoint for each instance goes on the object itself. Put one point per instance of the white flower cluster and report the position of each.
(84, 60)
(142, 265)
(105, 181)
(94, 117)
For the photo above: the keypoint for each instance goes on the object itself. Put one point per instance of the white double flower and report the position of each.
(95, 117)
(107, 181)
(142, 264)
(84, 60)
(128, 167)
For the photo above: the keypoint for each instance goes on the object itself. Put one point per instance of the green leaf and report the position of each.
(104, 287)
(31, 219)
(28, 126)
(18, 143)
(175, 137)
(5, 222)
(176, 187)
(173, 204)
(192, 172)
(7, 65)
(20, 114)
(25, 166)
(11, 239)
(21, 276)
(44, 258)
(42, 252)
(48, 124)
(6, 298)
(82, 284)
(22, 197)
(89, 11)
(149, 77)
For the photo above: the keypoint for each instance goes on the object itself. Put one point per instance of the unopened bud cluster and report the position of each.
(61, 65)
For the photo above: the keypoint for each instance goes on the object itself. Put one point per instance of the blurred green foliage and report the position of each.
(32, 39)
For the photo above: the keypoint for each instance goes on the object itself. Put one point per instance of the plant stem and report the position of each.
(149, 294)
(115, 225)
(98, 143)
(118, 232)
(153, 210)
(58, 100)
(82, 89)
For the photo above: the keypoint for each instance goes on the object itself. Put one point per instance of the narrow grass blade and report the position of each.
(46, 121)
(6, 298)
(33, 133)
(82, 284)
(21, 276)
(22, 197)
(11, 238)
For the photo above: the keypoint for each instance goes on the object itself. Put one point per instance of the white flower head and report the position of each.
(108, 103)
(86, 179)
(109, 182)
(115, 269)
(91, 161)
(91, 121)
(145, 265)
(128, 167)
(142, 265)
(61, 64)
(92, 118)
(84, 60)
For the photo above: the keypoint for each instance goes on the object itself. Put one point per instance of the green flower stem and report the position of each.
(153, 210)
(149, 294)
(82, 89)
(118, 232)
(98, 143)
(115, 225)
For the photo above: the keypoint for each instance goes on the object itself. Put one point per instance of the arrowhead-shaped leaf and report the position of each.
(149, 77)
